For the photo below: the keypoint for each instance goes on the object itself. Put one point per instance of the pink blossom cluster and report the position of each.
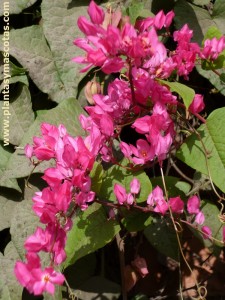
(157, 203)
(69, 187)
(114, 45)
(137, 98)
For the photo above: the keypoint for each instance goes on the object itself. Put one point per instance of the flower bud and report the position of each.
(92, 88)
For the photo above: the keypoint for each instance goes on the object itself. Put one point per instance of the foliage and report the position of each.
(120, 156)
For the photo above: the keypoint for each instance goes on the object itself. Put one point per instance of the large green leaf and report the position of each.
(161, 234)
(5, 154)
(213, 137)
(17, 74)
(211, 213)
(15, 6)
(91, 230)
(60, 29)
(174, 186)
(136, 220)
(9, 286)
(186, 93)
(28, 45)
(21, 115)
(65, 113)
(6, 212)
(117, 174)
(199, 20)
(23, 224)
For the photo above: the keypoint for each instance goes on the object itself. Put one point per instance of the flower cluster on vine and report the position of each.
(136, 97)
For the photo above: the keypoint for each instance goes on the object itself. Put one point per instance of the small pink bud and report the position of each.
(28, 151)
(193, 205)
(135, 186)
(96, 13)
(177, 205)
(92, 88)
(197, 104)
(130, 199)
(223, 233)
(200, 218)
(120, 193)
(207, 232)
(140, 265)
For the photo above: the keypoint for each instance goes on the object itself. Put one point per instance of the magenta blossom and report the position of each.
(193, 205)
(120, 193)
(156, 199)
(197, 105)
(207, 232)
(36, 280)
(176, 205)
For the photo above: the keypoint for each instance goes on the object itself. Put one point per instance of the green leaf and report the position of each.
(134, 11)
(28, 45)
(10, 289)
(211, 213)
(174, 185)
(60, 29)
(213, 137)
(212, 32)
(136, 221)
(15, 6)
(21, 115)
(5, 154)
(222, 77)
(96, 177)
(200, 2)
(91, 230)
(66, 113)
(220, 61)
(117, 174)
(218, 14)
(6, 212)
(161, 234)
(186, 93)
(23, 224)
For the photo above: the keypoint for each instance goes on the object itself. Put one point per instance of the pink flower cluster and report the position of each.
(114, 45)
(137, 98)
(69, 187)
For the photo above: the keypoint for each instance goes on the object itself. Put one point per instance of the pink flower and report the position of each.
(177, 205)
(34, 279)
(82, 199)
(212, 48)
(161, 19)
(130, 199)
(223, 234)
(28, 151)
(135, 186)
(120, 193)
(45, 281)
(23, 271)
(143, 153)
(193, 205)
(161, 206)
(207, 232)
(96, 13)
(200, 218)
(155, 196)
(157, 200)
(140, 265)
(197, 104)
